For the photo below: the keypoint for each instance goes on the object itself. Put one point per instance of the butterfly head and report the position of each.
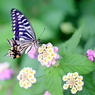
(37, 41)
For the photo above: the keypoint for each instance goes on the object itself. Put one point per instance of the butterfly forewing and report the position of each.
(24, 37)
(21, 27)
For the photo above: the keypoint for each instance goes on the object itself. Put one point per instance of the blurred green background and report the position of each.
(60, 18)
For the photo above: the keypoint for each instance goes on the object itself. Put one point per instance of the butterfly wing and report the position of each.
(21, 27)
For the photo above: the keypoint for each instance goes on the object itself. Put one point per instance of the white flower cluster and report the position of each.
(74, 81)
(26, 77)
(47, 54)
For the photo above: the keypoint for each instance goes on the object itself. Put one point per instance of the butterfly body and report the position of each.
(24, 36)
(14, 51)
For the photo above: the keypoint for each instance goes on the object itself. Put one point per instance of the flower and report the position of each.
(5, 71)
(33, 52)
(48, 54)
(46, 93)
(90, 54)
(74, 81)
(26, 77)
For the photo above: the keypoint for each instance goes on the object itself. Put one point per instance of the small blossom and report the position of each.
(73, 90)
(5, 71)
(79, 88)
(90, 54)
(47, 54)
(65, 86)
(46, 93)
(33, 52)
(65, 78)
(75, 74)
(90, 58)
(26, 77)
(74, 81)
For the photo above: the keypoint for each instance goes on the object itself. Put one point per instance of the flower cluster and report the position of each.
(5, 71)
(74, 81)
(26, 77)
(46, 93)
(90, 54)
(47, 54)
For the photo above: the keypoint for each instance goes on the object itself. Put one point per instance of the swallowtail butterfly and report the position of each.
(24, 36)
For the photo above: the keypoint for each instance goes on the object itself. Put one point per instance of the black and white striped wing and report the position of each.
(21, 27)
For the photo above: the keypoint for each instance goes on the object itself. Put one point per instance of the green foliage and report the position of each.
(76, 63)
(70, 45)
(53, 81)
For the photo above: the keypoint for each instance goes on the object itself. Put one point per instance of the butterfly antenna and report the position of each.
(42, 33)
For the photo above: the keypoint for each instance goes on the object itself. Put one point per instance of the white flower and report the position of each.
(73, 90)
(65, 86)
(75, 74)
(65, 78)
(79, 88)
(74, 81)
(80, 78)
(69, 75)
(47, 54)
(26, 77)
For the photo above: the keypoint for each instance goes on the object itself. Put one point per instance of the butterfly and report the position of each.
(24, 36)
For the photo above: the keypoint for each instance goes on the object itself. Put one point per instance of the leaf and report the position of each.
(53, 82)
(77, 63)
(70, 45)
(39, 87)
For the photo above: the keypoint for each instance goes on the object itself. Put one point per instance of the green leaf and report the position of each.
(53, 81)
(70, 45)
(93, 76)
(39, 87)
(77, 63)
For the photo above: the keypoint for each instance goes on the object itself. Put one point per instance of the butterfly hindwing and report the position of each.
(21, 26)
